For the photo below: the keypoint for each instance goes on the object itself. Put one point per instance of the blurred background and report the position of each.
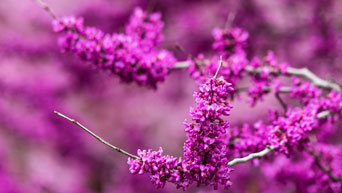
(43, 153)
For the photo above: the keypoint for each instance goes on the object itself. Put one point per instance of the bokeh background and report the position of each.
(42, 153)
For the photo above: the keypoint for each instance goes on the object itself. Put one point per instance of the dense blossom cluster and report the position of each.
(161, 168)
(132, 55)
(292, 130)
(305, 91)
(205, 150)
(205, 153)
(285, 133)
(228, 44)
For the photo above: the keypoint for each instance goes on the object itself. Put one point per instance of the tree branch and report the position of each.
(251, 156)
(46, 8)
(268, 149)
(306, 73)
(300, 72)
(323, 168)
(97, 137)
(281, 101)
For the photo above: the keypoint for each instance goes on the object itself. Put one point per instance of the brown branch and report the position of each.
(323, 168)
(97, 137)
(281, 101)
(230, 20)
(46, 8)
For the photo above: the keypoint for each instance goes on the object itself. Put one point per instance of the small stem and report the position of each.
(97, 137)
(218, 69)
(150, 6)
(211, 92)
(281, 101)
(229, 21)
(198, 67)
(242, 89)
(46, 8)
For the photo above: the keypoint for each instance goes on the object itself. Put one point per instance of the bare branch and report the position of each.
(306, 73)
(46, 8)
(97, 137)
(281, 101)
(230, 20)
(251, 156)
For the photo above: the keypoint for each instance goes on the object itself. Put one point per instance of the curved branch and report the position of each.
(300, 72)
(268, 149)
(306, 73)
(97, 137)
(251, 156)
(323, 168)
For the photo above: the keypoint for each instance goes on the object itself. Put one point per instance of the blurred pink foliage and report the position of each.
(40, 152)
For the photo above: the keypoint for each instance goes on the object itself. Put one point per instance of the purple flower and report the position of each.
(132, 56)
(205, 153)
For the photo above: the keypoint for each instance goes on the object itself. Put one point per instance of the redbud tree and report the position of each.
(290, 143)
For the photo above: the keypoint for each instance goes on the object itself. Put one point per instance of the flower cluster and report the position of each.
(145, 28)
(304, 91)
(205, 153)
(263, 75)
(161, 168)
(205, 150)
(229, 41)
(269, 65)
(232, 67)
(196, 70)
(247, 139)
(229, 44)
(291, 131)
(132, 55)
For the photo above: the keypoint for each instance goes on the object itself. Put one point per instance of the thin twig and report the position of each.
(197, 66)
(46, 8)
(219, 67)
(323, 168)
(229, 21)
(97, 137)
(281, 101)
